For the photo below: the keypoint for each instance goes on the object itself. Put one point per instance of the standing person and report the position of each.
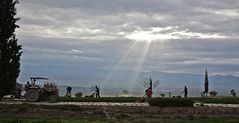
(233, 93)
(68, 89)
(97, 91)
(185, 92)
(27, 85)
(149, 94)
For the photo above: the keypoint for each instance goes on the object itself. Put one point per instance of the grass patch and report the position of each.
(223, 100)
(101, 99)
(23, 107)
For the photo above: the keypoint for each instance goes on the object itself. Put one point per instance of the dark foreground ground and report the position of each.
(30, 113)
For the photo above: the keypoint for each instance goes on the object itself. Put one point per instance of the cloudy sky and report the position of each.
(74, 40)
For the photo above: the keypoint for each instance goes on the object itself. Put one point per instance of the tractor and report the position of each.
(35, 93)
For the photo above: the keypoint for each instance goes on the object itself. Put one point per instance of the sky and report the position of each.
(80, 41)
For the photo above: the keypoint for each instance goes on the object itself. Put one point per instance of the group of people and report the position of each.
(96, 92)
(149, 93)
(147, 96)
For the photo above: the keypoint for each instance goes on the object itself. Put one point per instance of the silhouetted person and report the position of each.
(97, 91)
(233, 93)
(149, 94)
(68, 89)
(27, 85)
(185, 92)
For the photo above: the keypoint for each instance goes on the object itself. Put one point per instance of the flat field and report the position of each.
(219, 100)
(30, 113)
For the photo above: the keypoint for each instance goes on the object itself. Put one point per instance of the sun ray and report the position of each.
(133, 59)
(123, 59)
(140, 63)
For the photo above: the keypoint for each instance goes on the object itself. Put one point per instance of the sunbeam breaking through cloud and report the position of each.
(118, 42)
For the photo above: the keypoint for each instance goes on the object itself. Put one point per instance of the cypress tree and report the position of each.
(10, 51)
(206, 83)
(150, 83)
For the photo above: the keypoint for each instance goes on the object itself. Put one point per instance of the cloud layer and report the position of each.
(134, 35)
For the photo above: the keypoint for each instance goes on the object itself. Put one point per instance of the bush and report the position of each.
(162, 95)
(213, 93)
(79, 94)
(171, 102)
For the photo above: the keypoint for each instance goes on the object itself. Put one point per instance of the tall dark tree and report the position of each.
(206, 83)
(10, 51)
(150, 83)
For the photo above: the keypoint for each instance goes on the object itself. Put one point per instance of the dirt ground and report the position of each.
(71, 111)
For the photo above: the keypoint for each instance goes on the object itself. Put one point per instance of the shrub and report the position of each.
(171, 102)
(79, 94)
(162, 95)
(213, 93)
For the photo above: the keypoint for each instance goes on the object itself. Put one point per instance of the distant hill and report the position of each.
(85, 77)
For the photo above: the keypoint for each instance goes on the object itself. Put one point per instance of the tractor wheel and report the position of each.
(32, 95)
(53, 98)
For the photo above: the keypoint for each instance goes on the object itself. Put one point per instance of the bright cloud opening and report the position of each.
(149, 37)
(168, 33)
